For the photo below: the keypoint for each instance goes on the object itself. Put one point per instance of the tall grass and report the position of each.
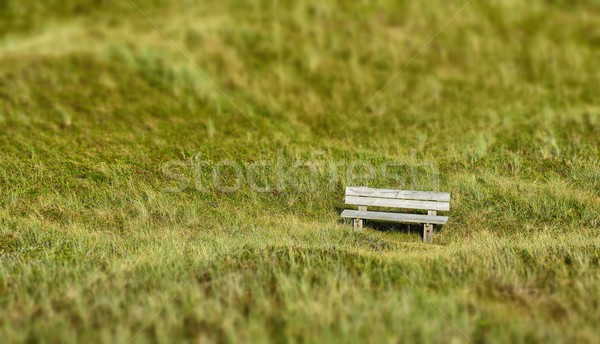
(94, 101)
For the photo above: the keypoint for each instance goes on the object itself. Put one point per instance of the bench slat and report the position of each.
(398, 194)
(397, 203)
(394, 217)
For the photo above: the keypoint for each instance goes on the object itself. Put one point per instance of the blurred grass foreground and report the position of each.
(115, 115)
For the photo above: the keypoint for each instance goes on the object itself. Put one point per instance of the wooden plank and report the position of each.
(394, 217)
(397, 203)
(398, 194)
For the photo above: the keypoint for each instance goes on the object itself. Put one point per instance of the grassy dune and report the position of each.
(102, 118)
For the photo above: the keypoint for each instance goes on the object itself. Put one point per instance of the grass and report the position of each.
(501, 109)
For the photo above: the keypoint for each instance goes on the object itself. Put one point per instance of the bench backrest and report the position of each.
(424, 200)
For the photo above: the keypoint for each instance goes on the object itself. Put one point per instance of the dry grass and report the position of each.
(502, 107)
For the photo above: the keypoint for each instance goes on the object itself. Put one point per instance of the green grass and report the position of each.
(502, 110)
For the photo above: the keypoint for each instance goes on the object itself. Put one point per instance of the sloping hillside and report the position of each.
(174, 170)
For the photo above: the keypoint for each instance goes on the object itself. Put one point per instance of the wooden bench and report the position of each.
(365, 197)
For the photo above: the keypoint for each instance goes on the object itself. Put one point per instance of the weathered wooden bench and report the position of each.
(365, 197)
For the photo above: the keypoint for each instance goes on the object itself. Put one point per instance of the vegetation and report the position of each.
(102, 118)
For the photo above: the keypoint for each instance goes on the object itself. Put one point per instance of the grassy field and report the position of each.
(113, 228)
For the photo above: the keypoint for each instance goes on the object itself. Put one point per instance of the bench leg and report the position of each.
(428, 232)
(428, 229)
(358, 224)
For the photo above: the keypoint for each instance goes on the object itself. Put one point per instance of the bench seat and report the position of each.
(394, 217)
